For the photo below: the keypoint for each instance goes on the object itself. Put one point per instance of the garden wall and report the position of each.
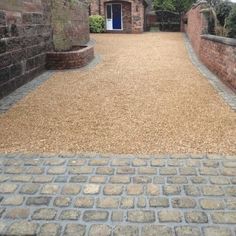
(29, 29)
(217, 53)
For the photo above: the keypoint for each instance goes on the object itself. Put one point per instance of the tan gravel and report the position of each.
(144, 98)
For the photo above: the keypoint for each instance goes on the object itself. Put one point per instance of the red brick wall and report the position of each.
(215, 52)
(219, 58)
(196, 25)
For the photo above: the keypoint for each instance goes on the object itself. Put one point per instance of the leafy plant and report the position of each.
(96, 24)
(231, 22)
(222, 11)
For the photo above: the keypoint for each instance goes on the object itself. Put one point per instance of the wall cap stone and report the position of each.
(219, 39)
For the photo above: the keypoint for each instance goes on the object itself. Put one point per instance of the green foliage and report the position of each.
(96, 24)
(167, 5)
(231, 22)
(222, 11)
(173, 5)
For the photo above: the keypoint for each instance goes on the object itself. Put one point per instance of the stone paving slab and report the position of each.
(117, 195)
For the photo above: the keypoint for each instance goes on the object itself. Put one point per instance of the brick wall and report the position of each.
(26, 34)
(217, 53)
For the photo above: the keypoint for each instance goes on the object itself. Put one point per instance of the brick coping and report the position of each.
(219, 39)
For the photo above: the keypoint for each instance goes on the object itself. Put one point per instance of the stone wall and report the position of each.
(29, 29)
(25, 36)
(70, 24)
(217, 53)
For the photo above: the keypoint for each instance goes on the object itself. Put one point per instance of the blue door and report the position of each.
(116, 17)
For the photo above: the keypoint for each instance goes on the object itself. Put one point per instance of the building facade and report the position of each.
(126, 16)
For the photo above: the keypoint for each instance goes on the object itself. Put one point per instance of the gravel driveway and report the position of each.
(145, 97)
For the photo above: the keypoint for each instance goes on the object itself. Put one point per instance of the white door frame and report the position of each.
(109, 22)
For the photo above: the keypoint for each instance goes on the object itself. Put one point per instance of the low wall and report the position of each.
(217, 53)
(69, 60)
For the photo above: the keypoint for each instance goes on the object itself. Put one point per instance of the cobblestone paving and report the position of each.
(117, 195)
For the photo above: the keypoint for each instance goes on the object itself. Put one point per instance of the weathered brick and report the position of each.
(95, 215)
(113, 189)
(134, 189)
(169, 216)
(15, 200)
(105, 170)
(51, 229)
(103, 230)
(125, 170)
(29, 188)
(192, 190)
(221, 180)
(81, 170)
(98, 179)
(120, 162)
(147, 170)
(224, 217)
(156, 230)
(171, 190)
(187, 171)
(141, 202)
(168, 171)
(212, 190)
(158, 162)
(84, 202)
(212, 204)
(158, 202)
(141, 179)
(177, 180)
(62, 201)
(229, 171)
(69, 215)
(42, 179)
(78, 179)
(17, 213)
(208, 171)
(21, 178)
(187, 231)
(56, 170)
(183, 202)
(22, 227)
(71, 189)
(153, 189)
(217, 231)
(38, 201)
(50, 189)
(199, 180)
(7, 188)
(127, 230)
(127, 202)
(139, 162)
(44, 214)
(196, 217)
(74, 229)
(117, 216)
(108, 202)
(119, 179)
(91, 189)
(98, 162)
(141, 216)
